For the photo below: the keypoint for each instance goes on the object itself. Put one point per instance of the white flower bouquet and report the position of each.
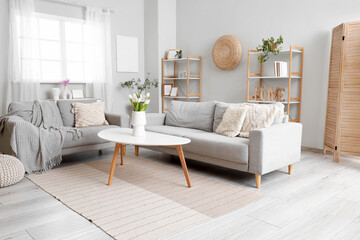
(137, 103)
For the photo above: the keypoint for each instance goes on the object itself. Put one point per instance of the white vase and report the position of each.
(55, 93)
(138, 121)
(66, 93)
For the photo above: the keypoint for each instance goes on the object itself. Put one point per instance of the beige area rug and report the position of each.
(146, 200)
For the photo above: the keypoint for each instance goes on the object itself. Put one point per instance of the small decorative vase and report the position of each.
(66, 93)
(138, 121)
(55, 93)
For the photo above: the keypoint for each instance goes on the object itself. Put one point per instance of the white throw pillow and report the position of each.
(89, 114)
(232, 121)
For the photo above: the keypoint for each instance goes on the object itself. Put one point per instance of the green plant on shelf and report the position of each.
(178, 54)
(269, 46)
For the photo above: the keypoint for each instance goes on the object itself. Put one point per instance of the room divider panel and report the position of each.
(342, 131)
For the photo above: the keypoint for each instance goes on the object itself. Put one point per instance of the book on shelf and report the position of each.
(280, 69)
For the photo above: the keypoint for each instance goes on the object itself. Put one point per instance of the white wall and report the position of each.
(305, 23)
(127, 20)
(160, 35)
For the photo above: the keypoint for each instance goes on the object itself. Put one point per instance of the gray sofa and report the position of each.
(89, 140)
(265, 150)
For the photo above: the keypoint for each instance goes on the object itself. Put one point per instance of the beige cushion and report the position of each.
(259, 116)
(89, 114)
(232, 121)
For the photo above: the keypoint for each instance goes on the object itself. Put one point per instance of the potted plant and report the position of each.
(139, 102)
(269, 45)
(178, 54)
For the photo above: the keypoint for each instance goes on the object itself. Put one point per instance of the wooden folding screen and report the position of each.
(342, 130)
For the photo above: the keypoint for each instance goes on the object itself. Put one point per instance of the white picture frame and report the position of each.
(171, 53)
(167, 88)
(174, 92)
(77, 93)
(127, 54)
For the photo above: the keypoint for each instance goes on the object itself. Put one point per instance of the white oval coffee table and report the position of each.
(122, 136)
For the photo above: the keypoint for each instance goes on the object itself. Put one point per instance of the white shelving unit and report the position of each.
(298, 76)
(174, 78)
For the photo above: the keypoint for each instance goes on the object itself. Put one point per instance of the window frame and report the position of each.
(62, 41)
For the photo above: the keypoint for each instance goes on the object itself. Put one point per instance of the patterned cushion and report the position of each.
(11, 170)
(89, 114)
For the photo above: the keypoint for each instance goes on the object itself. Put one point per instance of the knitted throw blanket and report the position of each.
(259, 116)
(37, 135)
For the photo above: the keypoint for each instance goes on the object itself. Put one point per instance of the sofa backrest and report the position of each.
(15, 106)
(65, 107)
(198, 115)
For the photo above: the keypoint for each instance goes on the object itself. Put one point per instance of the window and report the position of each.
(57, 50)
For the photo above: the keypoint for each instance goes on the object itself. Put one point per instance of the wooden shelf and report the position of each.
(293, 75)
(284, 51)
(173, 77)
(182, 97)
(181, 59)
(286, 102)
(195, 78)
(272, 77)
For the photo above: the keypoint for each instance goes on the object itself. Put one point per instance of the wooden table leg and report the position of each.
(116, 153)
(122, 153)
(136, 150)
(183, 164)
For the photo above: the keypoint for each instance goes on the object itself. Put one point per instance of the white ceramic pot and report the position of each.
(138, 121)
(55, 93)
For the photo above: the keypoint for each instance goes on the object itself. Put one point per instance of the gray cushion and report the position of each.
(65, 107)
(191, 115)
(221, 107)
(88, 136)
(209, 144)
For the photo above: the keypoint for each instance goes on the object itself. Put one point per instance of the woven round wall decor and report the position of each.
(227, 52)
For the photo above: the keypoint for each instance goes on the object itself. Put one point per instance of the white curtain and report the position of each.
(98, 68)
(24, 64)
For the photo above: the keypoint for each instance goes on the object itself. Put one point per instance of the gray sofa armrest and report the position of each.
(7, 134)
(122, 120)
(274, 147)
(155, 119)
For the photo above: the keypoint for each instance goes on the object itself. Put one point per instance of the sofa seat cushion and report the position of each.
(88, 136)
(209, 144)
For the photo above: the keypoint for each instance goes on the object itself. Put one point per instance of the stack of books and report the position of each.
(280, 69)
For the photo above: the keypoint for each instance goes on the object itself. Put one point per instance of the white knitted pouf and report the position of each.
(11, 170)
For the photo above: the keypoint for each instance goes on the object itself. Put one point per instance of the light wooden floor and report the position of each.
(321, 200)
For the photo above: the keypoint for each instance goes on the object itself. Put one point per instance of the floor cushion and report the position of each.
(11, 170)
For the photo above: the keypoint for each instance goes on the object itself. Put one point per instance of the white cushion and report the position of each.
(232, 121)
